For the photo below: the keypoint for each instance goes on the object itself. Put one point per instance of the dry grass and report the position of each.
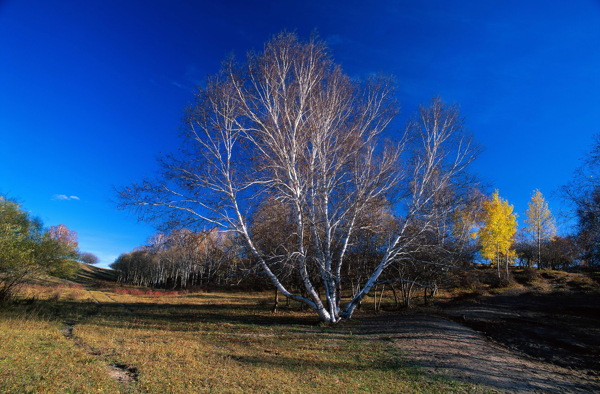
(36, 357)
(122, 341)
(553, 280)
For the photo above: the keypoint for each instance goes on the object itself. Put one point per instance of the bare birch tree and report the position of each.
(290, 126)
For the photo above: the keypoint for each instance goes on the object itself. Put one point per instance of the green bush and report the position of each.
(26, 250)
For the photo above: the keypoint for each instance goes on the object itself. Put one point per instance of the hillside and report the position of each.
(94, 276)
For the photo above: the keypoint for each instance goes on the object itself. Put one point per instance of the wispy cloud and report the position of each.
(180, 86)
(192, 78)
(64, 197)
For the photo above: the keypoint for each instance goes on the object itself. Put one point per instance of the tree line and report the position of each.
(484, 228)
(182, 259)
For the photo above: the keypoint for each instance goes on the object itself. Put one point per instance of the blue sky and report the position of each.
(92, 92)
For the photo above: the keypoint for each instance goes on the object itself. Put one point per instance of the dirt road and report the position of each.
(451, 349)
(525, 339)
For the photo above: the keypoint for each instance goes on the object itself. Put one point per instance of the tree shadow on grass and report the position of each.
(177, 317)
(183, 316)
(276, 361)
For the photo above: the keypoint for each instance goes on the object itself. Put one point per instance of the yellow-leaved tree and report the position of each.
(540, 223)
(497, 234)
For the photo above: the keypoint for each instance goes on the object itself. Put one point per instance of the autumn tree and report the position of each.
(137, 267)
(541, 226)
(584, 193)
(466, 220)
(181, 258)
(588, 225)
(447, 245)
(27, 250)
(496, 236)
(88, 258)
(288, 124)
(525, 249)
(561, 252)
(62, 234)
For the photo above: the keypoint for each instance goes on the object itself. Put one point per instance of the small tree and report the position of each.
(27, 250)
(540, 223)
(88, 258)
(560, 252)
(496, 236)
(62, 234)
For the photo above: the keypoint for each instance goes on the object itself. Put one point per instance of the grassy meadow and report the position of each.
(74, 338)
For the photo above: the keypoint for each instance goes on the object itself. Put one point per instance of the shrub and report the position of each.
(527, 276)
(28, 250)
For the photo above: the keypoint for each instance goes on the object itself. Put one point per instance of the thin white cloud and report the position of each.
(180, 86)
(64, 197)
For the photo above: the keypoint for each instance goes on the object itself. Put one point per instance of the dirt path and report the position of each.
(123, 373)
(451, 349)
(559, 327)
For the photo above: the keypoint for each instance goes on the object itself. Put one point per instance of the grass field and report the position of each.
(72, 338)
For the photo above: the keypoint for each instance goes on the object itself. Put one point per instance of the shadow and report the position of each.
(177, 317)
(450, 348)
(560, 327)
(95, 276)
(271, 361)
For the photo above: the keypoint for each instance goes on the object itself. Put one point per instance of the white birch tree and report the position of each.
(290, 126)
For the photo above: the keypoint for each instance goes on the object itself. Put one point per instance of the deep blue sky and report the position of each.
(91, 92)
